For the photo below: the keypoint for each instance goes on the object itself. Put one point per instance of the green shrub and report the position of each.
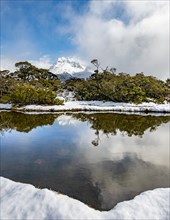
(27, 94)
(4, 99)
(120, 88)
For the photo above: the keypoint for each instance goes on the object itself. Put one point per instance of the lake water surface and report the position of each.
(98, 158)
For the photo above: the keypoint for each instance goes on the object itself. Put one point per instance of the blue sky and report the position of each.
(132, 36)
(35, 24)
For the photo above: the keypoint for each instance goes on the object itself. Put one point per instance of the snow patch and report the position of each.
(24, 201)
(95, 106)
(5, 106)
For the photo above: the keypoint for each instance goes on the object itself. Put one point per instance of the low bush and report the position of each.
(27, 94)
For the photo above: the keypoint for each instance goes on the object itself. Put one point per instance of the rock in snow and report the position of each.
(24, 201)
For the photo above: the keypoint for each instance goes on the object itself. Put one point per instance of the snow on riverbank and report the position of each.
(94, 106)
(24, 201)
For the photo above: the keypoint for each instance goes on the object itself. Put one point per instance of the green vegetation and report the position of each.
(32, 85)
(109, 86)
(29, 85)
(122, 87)
(27, 94)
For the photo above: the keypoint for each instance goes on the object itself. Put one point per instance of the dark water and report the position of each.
(99, 159)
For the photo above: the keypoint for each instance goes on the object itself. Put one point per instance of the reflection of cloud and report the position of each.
(67, 120)
(153, 147)
(123, 179)
(121, 166)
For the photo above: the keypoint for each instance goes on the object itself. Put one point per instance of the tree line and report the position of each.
(106, 85)
(32, 85)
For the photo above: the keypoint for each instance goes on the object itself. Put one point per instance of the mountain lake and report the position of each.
(98, 158)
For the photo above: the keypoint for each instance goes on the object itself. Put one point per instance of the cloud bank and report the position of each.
(132, 36)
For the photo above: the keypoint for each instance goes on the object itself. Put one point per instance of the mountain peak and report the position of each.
(67, 65)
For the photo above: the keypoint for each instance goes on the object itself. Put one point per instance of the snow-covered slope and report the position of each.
(66, 68)
(24, 201)
(67, 65)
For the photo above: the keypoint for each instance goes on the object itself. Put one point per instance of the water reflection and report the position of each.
(58, 154)
(123, 179)
(24, 122)
(126, 124)
(106, 122)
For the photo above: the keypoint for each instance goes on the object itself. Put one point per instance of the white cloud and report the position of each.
(130, 35)
(43, 62)
(9, 63)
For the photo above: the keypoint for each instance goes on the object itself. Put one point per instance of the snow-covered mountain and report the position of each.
(68, 67)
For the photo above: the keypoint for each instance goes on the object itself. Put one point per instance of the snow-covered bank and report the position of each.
(24, 201)
(5, 106)
(94, 106)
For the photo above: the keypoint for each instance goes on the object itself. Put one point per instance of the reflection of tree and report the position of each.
(24, 122)
(5, 126)
(126, 124)
(105, 122)
(95, 142)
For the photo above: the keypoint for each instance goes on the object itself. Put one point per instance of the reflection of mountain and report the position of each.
(100, 185)
(128, 124)
(24, 122)
(124, 179)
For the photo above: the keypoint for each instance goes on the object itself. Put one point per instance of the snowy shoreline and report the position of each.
(92, 106)
(24, 201)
